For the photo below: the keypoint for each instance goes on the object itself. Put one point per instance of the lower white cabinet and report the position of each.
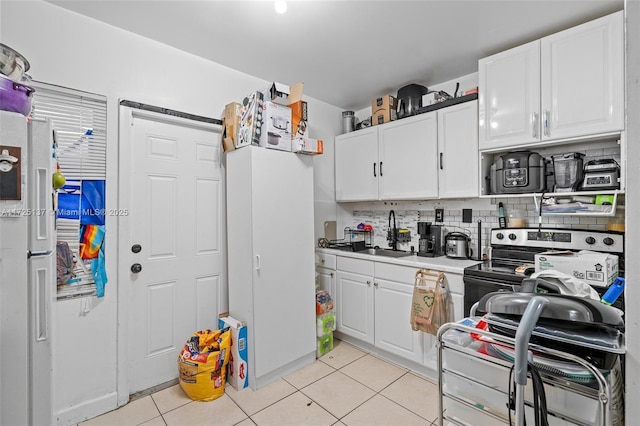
(393, 331)
(326, 273)
(354, 298)
(373, 303)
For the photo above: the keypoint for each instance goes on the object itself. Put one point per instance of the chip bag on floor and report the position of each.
(202, 364)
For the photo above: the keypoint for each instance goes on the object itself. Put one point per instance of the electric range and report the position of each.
(514, 247)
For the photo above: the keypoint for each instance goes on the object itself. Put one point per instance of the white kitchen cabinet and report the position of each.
(356, 165)
(407, 153)
(583, 79)
(326, 273)
(373, 305)
(427, 156)
(509, 97)
(271, 280)
(458, 151)
(567, 85)
(354, 298)
(393, 294)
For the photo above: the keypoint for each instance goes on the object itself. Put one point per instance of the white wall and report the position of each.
(70, 50)
(632, 271)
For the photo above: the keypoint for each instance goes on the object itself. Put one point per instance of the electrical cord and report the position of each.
(539, 397)
(540, 216)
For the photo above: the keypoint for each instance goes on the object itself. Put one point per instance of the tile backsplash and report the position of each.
(452, 222)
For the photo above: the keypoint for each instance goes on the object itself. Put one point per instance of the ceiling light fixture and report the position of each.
(281, 6)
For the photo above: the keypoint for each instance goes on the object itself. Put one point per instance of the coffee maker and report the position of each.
(430, 243)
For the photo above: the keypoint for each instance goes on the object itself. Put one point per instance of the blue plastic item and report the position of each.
(614, 291)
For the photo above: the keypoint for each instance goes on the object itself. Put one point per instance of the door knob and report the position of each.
(136, 268)
(136, 248)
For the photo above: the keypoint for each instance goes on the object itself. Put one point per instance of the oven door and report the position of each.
(476, 287)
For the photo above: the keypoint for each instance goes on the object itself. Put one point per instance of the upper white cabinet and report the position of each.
(427, 156)
(567, 85)
(388, 162)
(509, 97)
(407, 153)
(583, 79)
(356, 160)
(458, 151)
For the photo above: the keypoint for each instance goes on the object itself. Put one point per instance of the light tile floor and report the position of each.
(345, 387)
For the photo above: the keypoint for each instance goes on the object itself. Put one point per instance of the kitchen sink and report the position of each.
(386, 252)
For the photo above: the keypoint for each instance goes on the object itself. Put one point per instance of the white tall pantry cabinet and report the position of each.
(271, 258)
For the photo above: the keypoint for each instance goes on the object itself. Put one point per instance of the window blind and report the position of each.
(79, 120)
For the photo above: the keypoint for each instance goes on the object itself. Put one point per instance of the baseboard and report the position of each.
(87, 410)
(286, 369)
(428, 371)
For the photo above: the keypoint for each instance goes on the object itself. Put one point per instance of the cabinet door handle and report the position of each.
(369, 283)
(534, 119)
(322, 260)
(441, 154)
(375, 284)
(546, 122)
(374, 170)
(257, 262)
(381, 168)
(331, 274)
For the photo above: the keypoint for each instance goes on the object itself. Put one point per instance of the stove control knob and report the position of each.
(512, 237)
(499, 235)
(608, 241)
(590, 240)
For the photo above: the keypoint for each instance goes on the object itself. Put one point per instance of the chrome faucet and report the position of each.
(392, 234)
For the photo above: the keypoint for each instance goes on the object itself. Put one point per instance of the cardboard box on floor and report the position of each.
(238, 366)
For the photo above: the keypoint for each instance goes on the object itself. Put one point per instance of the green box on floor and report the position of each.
(325, 344)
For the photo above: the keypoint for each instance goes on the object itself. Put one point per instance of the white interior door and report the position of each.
(174, 254)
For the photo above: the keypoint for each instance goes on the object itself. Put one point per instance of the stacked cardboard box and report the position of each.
(383, 110)
(325, 322)
(271, 118)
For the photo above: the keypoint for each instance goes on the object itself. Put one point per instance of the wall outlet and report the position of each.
(467, 215)
(439, 215)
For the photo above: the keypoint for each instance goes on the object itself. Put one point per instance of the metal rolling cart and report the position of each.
(474, 381)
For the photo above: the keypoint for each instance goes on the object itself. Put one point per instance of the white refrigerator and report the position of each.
(27, 270)
(271, 258)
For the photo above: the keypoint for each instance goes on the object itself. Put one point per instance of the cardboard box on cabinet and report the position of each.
(284, 95)
(386, 103)
(276, 129)
(383, 116)
(250, 125)
(299, 119)
(230, 123)
(307, 146)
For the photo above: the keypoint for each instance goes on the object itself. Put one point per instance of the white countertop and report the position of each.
(441, 263)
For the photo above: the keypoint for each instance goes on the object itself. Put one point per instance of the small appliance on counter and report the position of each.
(458, 245)
(518, 172)
(601, 174)
(567, 171)
(430, 242)
(410, 99)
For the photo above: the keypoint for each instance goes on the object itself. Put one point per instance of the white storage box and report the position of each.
(307, 146)
(596, 269)
(276, 128)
